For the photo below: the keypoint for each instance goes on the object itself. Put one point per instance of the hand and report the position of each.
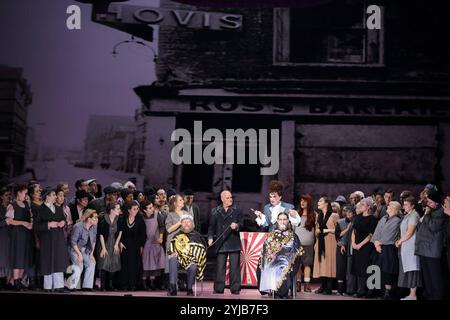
(52, 224)
(210, 241)
(91, 257)
(61, 224)
(160, 241)
(116, 249)
(233, 225)
(29, 225)
(258, 213)
(343, 250)
(447, 211)
(80, 258)
(122, 247)
(103, 253)
(8, 221)
(378, 248)
(398, 243)
(174, 254)
(355, 246)
(293, 213)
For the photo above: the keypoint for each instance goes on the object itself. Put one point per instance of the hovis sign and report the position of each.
(127, 14)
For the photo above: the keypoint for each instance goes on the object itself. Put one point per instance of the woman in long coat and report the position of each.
(325, 247)
(54, 258)
(132, 242)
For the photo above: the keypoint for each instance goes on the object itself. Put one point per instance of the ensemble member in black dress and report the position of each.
(21, 235)
(132, 244)
(363, 228)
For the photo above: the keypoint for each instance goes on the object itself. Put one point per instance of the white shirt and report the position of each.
(275, 211)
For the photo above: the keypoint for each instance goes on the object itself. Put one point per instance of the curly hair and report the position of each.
(276, 186)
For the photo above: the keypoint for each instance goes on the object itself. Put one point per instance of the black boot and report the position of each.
(18, 285)
(387, 294)
(306, 287)
(340, 288)
(322, 286)
(152, 285)
(329, 287)
(299, 286)
(32, 283)
(103, 280)
(172, 290)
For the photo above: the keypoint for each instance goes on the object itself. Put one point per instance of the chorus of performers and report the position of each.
(120, 238)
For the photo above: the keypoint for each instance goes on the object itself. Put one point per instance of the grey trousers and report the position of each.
(173, 273)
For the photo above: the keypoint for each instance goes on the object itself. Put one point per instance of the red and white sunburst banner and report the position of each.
(252, 244)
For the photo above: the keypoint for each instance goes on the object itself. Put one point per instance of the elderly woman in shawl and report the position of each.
(280, 258)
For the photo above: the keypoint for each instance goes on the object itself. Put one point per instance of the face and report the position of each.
(354, 199)
(274, 198)
(186, 225)
(60, 197)
(6, 196)
(447, 202)
(282, 221)
(93, 220)
(140, 197)
(379, 198)
(303, 204)
(348, 214)
(165, 207)
(36, 196)
(321, 204)
(129, 198)
(391, 209)
(133, 211)
(161, 197)
(111, 197)
(179, 202)
(364, 207)
(65, 189)
(84, 186)
(388, 197)
(407, 206)
(93, 187)
(21, 195)
(149, 209)
(431, 204)
(116, 211)
(188, 200)
(358, 208)
(227, 199)
(83, 202)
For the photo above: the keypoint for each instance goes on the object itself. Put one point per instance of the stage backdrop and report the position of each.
(252, 244)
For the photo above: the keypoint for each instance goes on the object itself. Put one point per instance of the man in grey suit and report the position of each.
(272, 209)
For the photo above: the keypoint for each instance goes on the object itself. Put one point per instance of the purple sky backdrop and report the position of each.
(72, 73)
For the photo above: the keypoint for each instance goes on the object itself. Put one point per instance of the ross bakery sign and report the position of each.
(129, 14)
